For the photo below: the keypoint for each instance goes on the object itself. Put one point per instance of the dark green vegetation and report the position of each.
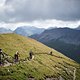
(43, 65)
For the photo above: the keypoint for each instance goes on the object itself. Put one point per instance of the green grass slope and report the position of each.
(42, 66)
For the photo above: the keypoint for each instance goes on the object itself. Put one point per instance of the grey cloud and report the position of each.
(29, 10)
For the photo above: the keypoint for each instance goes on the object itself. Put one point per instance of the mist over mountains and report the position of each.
(23, 30)
(4, 30)
(28, 30)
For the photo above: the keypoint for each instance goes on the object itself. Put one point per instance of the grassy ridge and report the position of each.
(43, 65)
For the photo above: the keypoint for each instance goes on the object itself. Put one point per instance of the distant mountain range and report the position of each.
(51, 28)
(4, 30)
(78, 28)
(28, 30)
(23, 30)
(65, 40)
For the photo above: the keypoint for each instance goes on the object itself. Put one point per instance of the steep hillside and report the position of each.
(43, 65)
(65, 40)
(28, 30)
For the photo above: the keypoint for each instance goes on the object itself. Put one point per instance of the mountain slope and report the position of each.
(28, 30)
(65, 40)
(78, 28)
(4, 30)
(42, 66)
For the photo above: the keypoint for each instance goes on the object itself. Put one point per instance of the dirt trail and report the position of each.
(7, 64)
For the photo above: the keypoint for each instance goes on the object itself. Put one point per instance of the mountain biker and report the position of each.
(16, 56)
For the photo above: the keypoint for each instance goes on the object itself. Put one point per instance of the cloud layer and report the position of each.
(31, 10)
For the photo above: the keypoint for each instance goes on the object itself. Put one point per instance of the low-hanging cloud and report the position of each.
(31, 10)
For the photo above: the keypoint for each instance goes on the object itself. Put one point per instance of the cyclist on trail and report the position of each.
(30, 54)
(16, 56)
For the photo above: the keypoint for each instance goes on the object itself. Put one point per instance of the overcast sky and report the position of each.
(39, 13)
